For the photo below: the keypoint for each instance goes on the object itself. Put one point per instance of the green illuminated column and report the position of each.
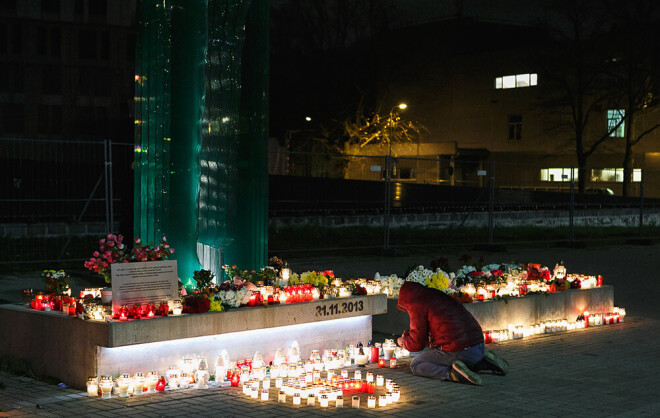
(250, 226)
(201, 131)
(152, 120)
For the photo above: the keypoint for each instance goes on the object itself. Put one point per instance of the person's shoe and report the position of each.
(496, 363)
(460, 373)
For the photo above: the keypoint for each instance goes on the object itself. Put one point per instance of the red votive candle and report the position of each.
(373, 358)
(381, 362)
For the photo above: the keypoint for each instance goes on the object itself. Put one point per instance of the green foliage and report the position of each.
(203, 278)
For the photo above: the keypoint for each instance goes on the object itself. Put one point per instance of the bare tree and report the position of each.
(381, 130)
(574, 68)
(635, 71)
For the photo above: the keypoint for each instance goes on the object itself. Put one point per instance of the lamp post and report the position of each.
(388, 174)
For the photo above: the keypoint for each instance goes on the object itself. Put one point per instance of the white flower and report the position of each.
(419, 275)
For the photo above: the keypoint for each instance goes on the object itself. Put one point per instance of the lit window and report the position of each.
(614, 175)
(509, 82)
(515, 128)
(614, 118)
(522, 80)
(558, 174)
(513, 81)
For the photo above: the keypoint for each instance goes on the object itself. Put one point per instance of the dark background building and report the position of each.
(67, 68)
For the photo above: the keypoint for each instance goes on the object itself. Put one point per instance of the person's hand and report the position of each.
(400, 341)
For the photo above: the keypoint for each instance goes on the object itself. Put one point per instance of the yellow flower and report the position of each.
(438, 281)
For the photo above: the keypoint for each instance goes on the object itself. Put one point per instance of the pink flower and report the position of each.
(111, 244)
(137, 240)
(96, 254)
(172, 251)
(101, 241)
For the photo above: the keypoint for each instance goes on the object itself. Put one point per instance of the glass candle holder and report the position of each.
(371, 401)
(339, 401)
(382, 400)
(106, 384)
(150, 381)
(323, 401)
(264, 394)
(356, 402)
(311, 400)
(281, 397)
(123, 382)
(92, 386)
(380, 380)
(138, 383)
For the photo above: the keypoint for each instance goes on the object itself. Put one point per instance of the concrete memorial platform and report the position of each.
(73, 350)
(527, 310)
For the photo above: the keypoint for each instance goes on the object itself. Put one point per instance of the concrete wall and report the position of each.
(528, 310)
(73, 350)
(54, 344)
(592, 217)
(236, 320)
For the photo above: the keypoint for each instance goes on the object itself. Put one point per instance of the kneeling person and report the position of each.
(454, 336)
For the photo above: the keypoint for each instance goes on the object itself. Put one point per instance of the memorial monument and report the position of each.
(201, 105)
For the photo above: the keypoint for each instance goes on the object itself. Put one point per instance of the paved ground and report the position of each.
(604, 371)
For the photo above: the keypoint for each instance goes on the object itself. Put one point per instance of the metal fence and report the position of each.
(385, 202)
(58, 197)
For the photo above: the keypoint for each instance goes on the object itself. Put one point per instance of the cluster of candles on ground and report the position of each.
(309, 386)
(583, 321)
(287, 373)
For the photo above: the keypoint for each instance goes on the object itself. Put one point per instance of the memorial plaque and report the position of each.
(148, 282)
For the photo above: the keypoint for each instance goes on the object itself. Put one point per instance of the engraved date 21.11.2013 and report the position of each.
(339, 308)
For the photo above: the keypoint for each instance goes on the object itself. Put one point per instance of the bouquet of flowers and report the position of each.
(276, 263)
(203, 279)
(232, 295)
(392, 283)
(466, 274)
(316, 279)
(438, 280)
(56, 282)
(196, 303)
(267, 275)
(113, 250)
(142, 252)
(419, 275)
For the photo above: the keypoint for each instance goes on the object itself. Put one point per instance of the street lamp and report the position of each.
(388, 173)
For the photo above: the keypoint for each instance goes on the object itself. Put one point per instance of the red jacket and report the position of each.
(436, 319)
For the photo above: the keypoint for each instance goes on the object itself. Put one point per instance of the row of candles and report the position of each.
(332, 388)
(585, 320)
(68, 306)
(521, 288)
